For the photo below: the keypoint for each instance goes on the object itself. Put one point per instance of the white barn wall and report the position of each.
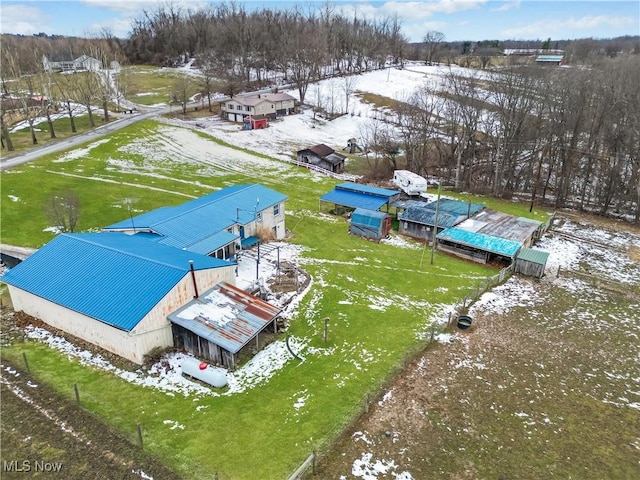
(154, 330)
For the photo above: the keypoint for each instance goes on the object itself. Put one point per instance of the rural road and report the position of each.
(13, 160)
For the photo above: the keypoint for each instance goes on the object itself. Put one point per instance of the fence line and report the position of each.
(483, 287)
(304, 467)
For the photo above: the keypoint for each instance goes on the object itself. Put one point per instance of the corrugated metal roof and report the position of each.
(503, 225)
(354, 199)
(198, 221)
(533, 255)
(226, 316)
(367, 189)
(112, 277)
(500, 246)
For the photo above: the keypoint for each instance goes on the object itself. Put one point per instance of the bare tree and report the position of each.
(432, 41)
(63, 211)
(349, 84)
(180, 92)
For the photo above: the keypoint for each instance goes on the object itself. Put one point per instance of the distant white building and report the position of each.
(83, 62)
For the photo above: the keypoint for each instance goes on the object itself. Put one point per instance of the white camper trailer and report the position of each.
(409, 182)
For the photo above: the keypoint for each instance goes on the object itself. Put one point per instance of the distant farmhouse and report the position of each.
(122, 289)
(83, 62)
(323, 157)
(267, 105)
(550, 59)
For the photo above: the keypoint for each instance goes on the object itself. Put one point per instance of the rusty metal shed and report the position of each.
(219, 324)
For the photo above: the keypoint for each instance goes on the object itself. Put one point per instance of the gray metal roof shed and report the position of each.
(531, 262)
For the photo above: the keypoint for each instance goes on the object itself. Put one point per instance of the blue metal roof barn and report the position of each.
(370, 224)
(354, 195)
(113, 278)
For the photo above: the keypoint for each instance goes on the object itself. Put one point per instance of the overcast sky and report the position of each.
(457, 19)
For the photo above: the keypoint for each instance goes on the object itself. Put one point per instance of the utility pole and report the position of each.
(435, 227)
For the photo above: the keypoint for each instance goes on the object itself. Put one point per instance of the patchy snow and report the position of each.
(368, 469)
(173, 424)
(13, 198)
(77, 153)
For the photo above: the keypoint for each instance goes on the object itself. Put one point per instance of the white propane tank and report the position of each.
(214, 376)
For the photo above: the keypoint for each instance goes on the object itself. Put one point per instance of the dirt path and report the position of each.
(45, 435)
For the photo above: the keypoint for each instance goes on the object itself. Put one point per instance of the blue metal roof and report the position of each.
(112, 277)
(197, 223)
(212, 242)
(226, 316)
(369, 190)
(481, 241)
(354, 199)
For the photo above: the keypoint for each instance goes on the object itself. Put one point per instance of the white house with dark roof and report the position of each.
(265, 105)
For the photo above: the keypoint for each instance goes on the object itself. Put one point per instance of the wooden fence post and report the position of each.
(139, 427)
(313, 465)
(26, 363)
(75, 389)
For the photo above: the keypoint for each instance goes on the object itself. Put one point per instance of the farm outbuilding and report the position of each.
(490, 235)
(223, 322)
(418, 219)
(371, 224)
(323, 157)
(531, 262)
(477, 246)
(502, 225)
(350, 196)
(217, 224)
(112, 290)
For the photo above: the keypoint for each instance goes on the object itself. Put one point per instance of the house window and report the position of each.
(248, 108)
(259, 216)
(276, 210)
(261, 108)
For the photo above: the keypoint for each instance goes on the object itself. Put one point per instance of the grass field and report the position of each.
(544, 385)
(381, 300)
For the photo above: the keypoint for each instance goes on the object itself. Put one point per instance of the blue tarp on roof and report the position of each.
(198, 221)
(450, 213)
(354, 199)
(368, 218)
(367, 189)
(112, 277)
(499, 246)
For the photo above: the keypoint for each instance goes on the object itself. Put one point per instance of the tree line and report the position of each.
(568, 137)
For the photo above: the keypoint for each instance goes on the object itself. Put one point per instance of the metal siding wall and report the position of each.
(88, 329)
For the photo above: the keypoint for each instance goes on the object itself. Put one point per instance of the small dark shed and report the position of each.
(322, 156)
(370, 224)
(531, 262)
